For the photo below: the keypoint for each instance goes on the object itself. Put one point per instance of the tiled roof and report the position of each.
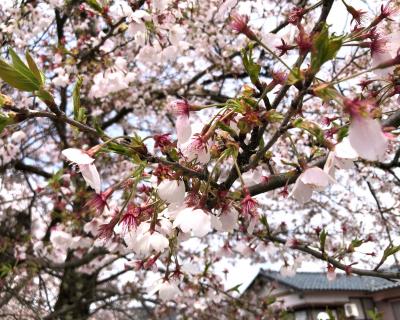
(317, 281)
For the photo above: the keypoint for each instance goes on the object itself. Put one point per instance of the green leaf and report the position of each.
(45, 96)
(5, 121)
(252, 68)
(5, 269)
(391, 250)
(17, 79)
(226, 128)
(325, 92)
(322, 239)
(295, 76)
(34, 68)
(76, 97)
(324, 48)
(274, 116)
(234, 288)
(342, 133)
(354, 244)
(374, 315)
(95, 5)
(5, 100)
(82, 115)
(311, 127)
(19, 65)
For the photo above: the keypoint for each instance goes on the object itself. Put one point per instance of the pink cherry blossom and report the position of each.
(367, 138)
(311, 179)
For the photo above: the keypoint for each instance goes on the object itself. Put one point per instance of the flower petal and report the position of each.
(196, 221)
(316, 177)
(301, 192)
(183, 129)
(171, 191)
(367, 138)
(344, 150)
(77, 156)
(91, 176)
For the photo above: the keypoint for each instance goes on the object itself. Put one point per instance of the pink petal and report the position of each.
(315, 177)
(379, 58)
(183, 129)
(367, 138)
(301, 192)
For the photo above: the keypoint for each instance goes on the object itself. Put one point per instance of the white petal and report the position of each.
(77, 156)
(252, 177)
(216, 222)
(172, 191)
(329, 166)
(367, 138)
(196, 221)
(183, 129)
(344, 163)
(229, 220)
(315, 177)
(301, 192)
(158, 242)
(168, 290)
(344, 150)
(91, 176)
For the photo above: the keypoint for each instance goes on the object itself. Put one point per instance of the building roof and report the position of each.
(317, 281)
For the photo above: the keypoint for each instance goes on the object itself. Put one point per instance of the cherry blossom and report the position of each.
(172, 191)
(367, 138)
(194, 221)
(143, 241)
(312, 179)
(86, 166)
(167, 289)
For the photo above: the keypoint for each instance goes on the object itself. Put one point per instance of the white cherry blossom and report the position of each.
(172, 191)
(194, 221)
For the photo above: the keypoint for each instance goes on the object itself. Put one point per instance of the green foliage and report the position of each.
(226, 128)
(325, 48)
(5, 100)
(389, 251)
(79, 111)
(95, 5)
(295, 76)
(374, 315)
(5, 120)
(235, 288)
(311, 127)
(18, 75)
(325, 92)
(5, 269)
(355, 244)
(342, 133)
(252, 68)
(34, 68)
(322, 239)
(330, 314)
(25, 77)
(274, 116)
(45, 96)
